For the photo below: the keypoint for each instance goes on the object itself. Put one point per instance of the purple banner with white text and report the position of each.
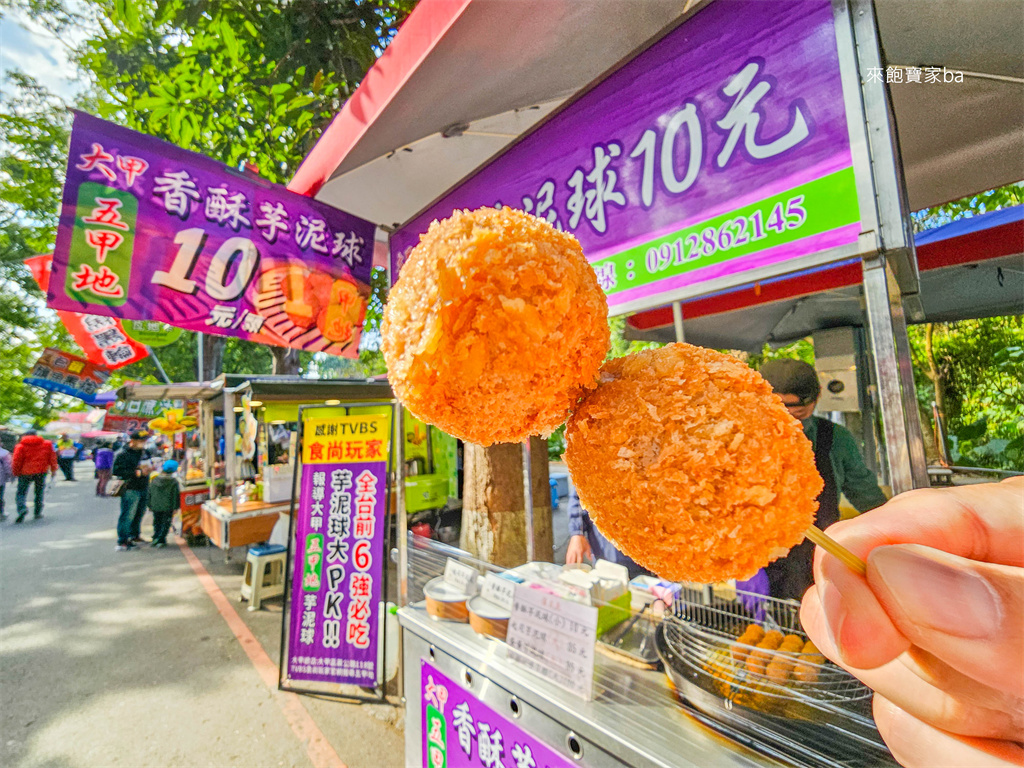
(338, 556)
(460, 731)
(149, 231)
(721, 149)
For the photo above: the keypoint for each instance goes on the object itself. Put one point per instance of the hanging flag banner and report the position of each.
(717, 156)
(58, 371)
(338, 552)
(103, 339)
(151, 333)
(149, 231)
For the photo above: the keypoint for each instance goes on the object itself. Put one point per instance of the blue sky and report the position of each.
(26, 46)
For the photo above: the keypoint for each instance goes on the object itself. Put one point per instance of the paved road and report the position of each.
(122, 659)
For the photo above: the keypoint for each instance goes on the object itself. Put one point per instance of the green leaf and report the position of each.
(187, 132)
(973, 431)
(149, 102)
(230, 41)
(299, 102)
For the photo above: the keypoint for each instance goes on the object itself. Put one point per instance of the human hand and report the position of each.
(937, 626)
(578, 550)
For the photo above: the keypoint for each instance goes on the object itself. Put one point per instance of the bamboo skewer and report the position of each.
(836, 549)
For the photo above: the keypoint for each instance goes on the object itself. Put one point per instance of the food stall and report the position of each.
(254, 486)
(734, 146)
(632, 715)
(237, 502)
(173, 413)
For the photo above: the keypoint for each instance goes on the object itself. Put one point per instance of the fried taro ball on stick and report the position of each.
(688, 461)
(496, 326)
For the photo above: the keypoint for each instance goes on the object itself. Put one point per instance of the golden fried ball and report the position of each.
(496, 326)
(688, 461)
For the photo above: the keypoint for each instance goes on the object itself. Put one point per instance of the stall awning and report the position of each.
(464, 78)
(183, 391)
(970, 268)
(297, 389)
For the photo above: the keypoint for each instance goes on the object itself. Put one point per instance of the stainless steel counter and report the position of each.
(634, 719)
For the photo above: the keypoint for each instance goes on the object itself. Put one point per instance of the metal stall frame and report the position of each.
(890, 278)
(396, 476)
(230, 481)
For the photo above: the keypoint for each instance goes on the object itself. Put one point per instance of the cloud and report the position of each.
(26, 46)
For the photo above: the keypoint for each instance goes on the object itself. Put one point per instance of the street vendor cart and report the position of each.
(253, 495)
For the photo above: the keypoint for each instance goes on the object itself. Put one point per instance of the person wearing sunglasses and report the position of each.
(838, 461)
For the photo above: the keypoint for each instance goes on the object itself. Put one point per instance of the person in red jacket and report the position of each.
(33, 457)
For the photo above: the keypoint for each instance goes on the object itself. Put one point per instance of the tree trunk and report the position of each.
(938, 381)
(286, 361)
(934, 374)
(493, 512)
(213, 356)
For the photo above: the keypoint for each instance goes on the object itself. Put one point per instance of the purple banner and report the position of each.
(460, 731)
(721, 149)
(149, 231)
(338, 556)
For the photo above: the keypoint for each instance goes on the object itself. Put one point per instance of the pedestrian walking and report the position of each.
(6, 474)
(33, 458)
(164, 500)
(66, 453)
(104, 462)
(131, 464)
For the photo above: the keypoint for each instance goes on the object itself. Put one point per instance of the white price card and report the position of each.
(462, 577)
(498, 590)
(554, 638)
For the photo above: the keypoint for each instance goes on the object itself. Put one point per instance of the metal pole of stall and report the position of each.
(229, 446)
(398, 440)
(528, 499)
(903, 446)
(159, 367)
(400, 521)
(677, 321)
(883, 292)
(911, 411)
(199, 358)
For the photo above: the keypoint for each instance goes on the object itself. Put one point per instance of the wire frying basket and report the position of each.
(703, 637)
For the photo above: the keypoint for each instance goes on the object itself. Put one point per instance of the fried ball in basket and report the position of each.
(496, 326)
(688, 461)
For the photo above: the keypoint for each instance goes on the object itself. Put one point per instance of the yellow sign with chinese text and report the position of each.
(346, 439)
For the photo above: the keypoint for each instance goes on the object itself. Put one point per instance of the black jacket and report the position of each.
(164, 493)
(126, 463)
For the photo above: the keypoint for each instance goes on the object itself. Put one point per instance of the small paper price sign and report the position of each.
(499, 590)
(462, 577)
(554, 638)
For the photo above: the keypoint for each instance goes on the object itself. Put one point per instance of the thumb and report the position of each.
(969, 614)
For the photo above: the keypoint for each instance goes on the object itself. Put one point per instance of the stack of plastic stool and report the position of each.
(264, 574)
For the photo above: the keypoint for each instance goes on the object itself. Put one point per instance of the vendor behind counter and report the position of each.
(838, 461)
(584, 536)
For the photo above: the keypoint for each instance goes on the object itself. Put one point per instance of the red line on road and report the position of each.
(319, 749)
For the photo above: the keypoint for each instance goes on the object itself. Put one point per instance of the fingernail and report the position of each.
(936, 592)
(835, 613)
